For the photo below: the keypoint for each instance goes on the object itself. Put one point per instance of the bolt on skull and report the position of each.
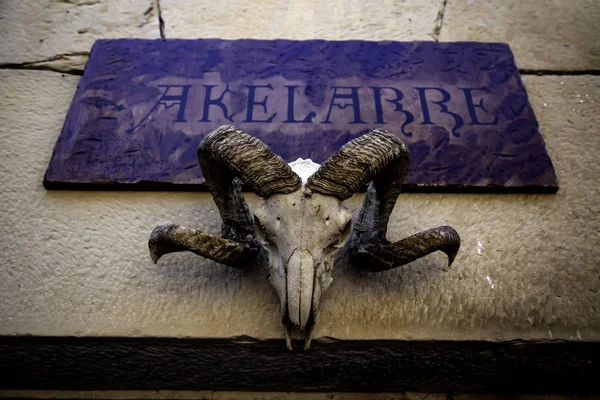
(301, 226)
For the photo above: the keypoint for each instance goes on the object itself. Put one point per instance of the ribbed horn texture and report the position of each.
(171, 238)
(381, 158)
(248, 158)
(357, 163)
(377, 156)
(387, 256)
(227, 153)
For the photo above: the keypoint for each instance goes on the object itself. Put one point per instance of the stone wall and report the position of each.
(76, 263)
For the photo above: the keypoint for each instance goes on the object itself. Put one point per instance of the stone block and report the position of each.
(546, 35)
(314, 19)
(59, 34)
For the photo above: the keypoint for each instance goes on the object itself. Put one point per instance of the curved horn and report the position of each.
(248, 158)
(381, 158)
(225, 155)
(170, 238)
(391, 255)
(377, 156)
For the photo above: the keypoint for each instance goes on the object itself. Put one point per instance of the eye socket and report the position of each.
(345, 233)
(259, 228)
(261, 231)
(341, 238)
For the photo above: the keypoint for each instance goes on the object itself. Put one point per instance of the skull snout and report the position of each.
(300, 285)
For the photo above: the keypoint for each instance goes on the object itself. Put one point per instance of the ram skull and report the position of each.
(300, 226)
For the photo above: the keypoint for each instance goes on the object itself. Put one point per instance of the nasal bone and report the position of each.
(300, 284)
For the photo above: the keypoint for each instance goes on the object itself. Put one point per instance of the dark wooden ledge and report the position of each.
(86, 363)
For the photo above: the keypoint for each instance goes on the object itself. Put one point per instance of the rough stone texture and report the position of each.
(77, 263)
(314, 19)
(548, 34)
(59, 33)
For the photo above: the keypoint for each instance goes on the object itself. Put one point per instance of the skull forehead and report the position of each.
(296, 211)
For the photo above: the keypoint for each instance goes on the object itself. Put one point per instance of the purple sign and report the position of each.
(143, 106)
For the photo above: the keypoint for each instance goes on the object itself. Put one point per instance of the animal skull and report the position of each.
(301, 225)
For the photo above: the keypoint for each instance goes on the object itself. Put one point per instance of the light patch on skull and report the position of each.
(304, 168)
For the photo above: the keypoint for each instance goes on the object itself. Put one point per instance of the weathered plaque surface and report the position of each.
(143, 106)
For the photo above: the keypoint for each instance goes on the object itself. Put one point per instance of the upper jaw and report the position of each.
(306, 332)
(321, 283)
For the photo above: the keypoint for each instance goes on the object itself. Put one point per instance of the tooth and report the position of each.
(288, 339)
(307, 343)
(308, 337)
